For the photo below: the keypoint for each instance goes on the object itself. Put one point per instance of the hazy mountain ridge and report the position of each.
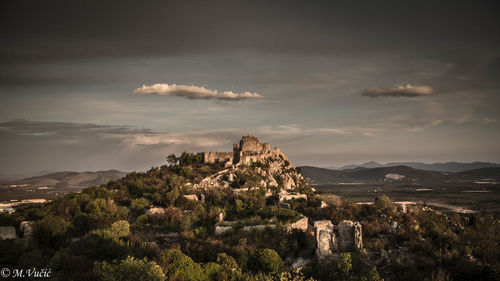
(402, 174)
(70, 179)
(454, 167)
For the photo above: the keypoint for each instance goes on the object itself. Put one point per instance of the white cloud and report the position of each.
(400, 91)
(192, 92)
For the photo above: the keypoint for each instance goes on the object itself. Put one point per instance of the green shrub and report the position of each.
(129, 269)
(139, 204)
(266, 260)
(178, 266)
(142, 220)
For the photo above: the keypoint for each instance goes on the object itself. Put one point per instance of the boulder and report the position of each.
(301, 225)
(7, 232)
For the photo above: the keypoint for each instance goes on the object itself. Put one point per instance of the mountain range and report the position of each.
(441, 167)
(69, 179)
(396, 174)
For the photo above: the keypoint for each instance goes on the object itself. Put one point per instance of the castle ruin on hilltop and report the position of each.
(249, 149)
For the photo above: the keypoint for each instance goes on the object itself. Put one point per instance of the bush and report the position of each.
(129, 269)
(142, 220)
(383, 204)
(266, 260)
(178, 266)
(139, 204)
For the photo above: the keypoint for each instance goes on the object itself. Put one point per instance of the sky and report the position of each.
(96, 85)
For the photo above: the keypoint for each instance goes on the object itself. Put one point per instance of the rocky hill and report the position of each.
(256, 165)
(70, 179)
(244, 215)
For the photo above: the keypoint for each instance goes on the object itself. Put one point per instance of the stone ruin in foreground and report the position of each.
(330, 239)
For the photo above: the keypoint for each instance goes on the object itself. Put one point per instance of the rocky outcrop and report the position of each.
(219, 230)
(300, 225)
(155, 211)
(191, 197)
(284, 196)
(346, 236)
(271, 167)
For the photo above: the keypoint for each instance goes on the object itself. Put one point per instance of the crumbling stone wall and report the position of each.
(247, 150)
(346, 236)
(325, 238)
(217, 157)
(250, 145)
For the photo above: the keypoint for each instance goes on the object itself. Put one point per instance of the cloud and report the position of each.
(400, 91)
(192, 92)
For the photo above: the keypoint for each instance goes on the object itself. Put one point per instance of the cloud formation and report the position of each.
(192, 92)
(400, 91)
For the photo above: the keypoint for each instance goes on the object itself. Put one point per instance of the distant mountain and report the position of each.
(453, 167)
(396, 174)
(400, 174)
(482, 174)
(70, 179)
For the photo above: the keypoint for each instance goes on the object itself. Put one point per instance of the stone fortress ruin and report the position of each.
(248, 150)
(274, 168)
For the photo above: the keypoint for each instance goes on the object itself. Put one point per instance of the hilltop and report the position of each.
(198, 219)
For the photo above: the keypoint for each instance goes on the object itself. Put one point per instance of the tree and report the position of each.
(129, 269)
(120, 229)
(49, 229)
(178, 266)
(384, 204)
(172, 159)
(229, 266)
(139, 204)
(343, 265)
(266, 260)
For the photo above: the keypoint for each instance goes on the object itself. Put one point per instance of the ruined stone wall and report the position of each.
(247, 150)
(217, 157)
(345, 237)
(250, 145)
(325, 239)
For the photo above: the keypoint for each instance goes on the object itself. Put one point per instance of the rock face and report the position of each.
(347, 236)
(284, 196)
(299, 225)
(272, 166)
(191, 197)
(155, 211)
(7, 232)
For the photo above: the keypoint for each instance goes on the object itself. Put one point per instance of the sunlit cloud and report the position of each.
(406, 90)
(192, 92)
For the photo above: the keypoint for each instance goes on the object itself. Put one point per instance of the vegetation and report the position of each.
(104, 233)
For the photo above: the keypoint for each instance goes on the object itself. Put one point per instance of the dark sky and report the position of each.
(333, 82)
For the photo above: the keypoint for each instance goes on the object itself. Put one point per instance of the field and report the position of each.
(453, 196)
